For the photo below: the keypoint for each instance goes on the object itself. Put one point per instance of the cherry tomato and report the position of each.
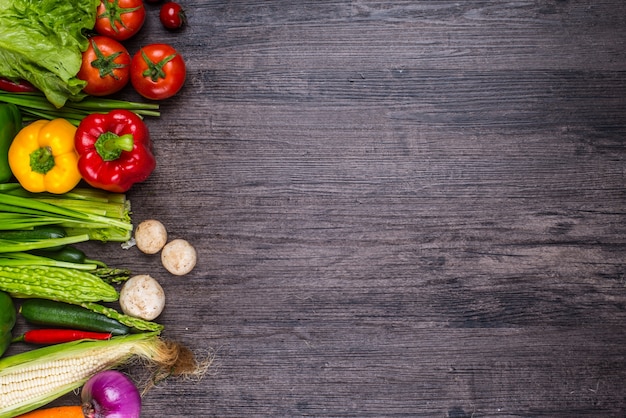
(172, 15)
(105, 66)
(120, 19)
(157, 71)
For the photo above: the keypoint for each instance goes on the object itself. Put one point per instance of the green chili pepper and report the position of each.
(10, 125)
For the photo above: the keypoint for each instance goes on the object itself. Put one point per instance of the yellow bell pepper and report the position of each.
(43, 159)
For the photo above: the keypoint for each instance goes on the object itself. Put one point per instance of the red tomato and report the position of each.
(105, 67)
(157, 71)
(120, 19)
(172, 15)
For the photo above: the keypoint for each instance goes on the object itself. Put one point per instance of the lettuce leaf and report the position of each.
(42, 41)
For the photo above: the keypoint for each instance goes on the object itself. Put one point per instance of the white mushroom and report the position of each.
(179, 257)
(150, 236)
(142, 297)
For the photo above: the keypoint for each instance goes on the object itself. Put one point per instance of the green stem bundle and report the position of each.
(98, 215)
(34, 105)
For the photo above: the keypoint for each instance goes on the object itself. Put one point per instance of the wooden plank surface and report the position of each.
(401, 208)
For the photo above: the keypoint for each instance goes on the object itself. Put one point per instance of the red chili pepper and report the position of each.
(56, 336)
(21, 86)
(114, 150)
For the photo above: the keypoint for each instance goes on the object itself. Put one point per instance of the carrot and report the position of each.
(55, 412)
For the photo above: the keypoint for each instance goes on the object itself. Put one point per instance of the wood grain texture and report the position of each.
(401, 208)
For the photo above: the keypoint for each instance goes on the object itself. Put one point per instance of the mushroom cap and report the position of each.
(142, 297)
(150, 236)
(179, 257)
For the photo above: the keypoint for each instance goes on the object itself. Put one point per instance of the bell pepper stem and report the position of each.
(110, 145)
(41, 160)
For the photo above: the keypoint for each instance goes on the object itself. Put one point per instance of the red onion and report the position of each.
(110, 394)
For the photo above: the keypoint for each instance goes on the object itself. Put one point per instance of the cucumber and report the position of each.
(61, 314)
(38, 233)
(7, 321)
(68, 254)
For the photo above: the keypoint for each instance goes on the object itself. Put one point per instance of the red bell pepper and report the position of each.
(114, 150)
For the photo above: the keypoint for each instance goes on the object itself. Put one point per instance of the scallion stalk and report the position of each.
(35, 104)
(32, 115)
(8, 246)
(101, 215)
(26, 259)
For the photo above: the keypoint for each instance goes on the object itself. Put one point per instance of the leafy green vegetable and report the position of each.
(42, 41)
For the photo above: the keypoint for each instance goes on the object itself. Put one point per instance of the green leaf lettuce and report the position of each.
(42, 41)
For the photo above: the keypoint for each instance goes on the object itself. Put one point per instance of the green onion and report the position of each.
(8, 246)
(85, 215)
(36, 106)
(16, 259)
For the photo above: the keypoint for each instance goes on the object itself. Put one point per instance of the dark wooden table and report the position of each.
(401, 208)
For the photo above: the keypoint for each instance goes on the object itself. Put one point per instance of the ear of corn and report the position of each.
(34, 378)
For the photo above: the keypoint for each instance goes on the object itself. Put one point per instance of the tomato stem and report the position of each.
(155, 69)
(113, 12)
(106, 66)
